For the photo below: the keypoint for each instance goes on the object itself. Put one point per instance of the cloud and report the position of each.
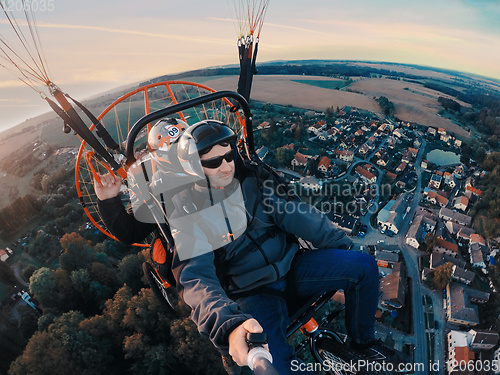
(123, 31)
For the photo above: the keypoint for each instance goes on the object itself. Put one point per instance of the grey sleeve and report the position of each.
(215, 314)
(303, 220)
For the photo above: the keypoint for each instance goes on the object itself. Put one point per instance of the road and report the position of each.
(411, 255)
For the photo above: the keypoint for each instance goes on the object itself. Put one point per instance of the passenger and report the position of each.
(242, 245)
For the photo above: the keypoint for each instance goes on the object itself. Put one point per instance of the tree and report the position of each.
(28, 271)
(130, 272)
(27, 321)
(441, 275)
(42, 286)
(285, 155)
(7, 275)
(430, 241)
(193, 349)
(64, 347)
(77, 254)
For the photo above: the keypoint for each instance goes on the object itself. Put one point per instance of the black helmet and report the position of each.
(198, 139)
(162, 136)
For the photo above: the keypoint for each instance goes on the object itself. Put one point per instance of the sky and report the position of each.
(96, 45)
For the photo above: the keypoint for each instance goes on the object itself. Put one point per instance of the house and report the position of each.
(332, 132)
(441, 131)
(420, 226)
(424, 163)
(459, 309)
(324, 164)
(459, 171)
(470, 182)
(413, 151)
(323, 136)
(310, 182)
(344, 155)
(398, 133)
(446, 247)
(366, 176)
(482, 339)
(435, 181)
(476, 256)
(461, 203)
(3, 255)
(391, 142)
(462, 275)
(459, 231)
(264, 125)
(458, 352)
(394, 288)
(445, 137)
(447, 214)
(316, 128)
(393, 213)
(401, 167)
(262, 152)
(407, 157)
(435, 198)
(299, 160)
(342, 221)
(380, 153)
(383, 161)
(438, 260)
(473, 190)
(449, 180)
(477, 238)
(364, 149)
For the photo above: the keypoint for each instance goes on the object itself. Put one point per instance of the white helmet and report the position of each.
(162, 139)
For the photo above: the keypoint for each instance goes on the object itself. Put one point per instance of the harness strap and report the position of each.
(255, 244)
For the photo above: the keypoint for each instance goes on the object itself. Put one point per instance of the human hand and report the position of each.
(109, 187)
(238, 347)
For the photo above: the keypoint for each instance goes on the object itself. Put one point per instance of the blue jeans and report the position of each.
(317, 272)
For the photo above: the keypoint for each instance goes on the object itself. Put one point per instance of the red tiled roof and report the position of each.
(474, 190)
(363, 172)
(301, 159)
(325, 161)
(447, 245)
(477, 239)
(343, 152)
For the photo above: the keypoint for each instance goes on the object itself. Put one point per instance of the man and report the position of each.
(240, 242)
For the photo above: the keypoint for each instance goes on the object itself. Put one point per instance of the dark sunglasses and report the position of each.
(216, 162)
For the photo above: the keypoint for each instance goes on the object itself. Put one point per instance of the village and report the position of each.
(374, 181)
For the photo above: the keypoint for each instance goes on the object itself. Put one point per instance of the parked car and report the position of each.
(380, 242)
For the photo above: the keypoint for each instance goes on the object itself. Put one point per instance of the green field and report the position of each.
(332, 85)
